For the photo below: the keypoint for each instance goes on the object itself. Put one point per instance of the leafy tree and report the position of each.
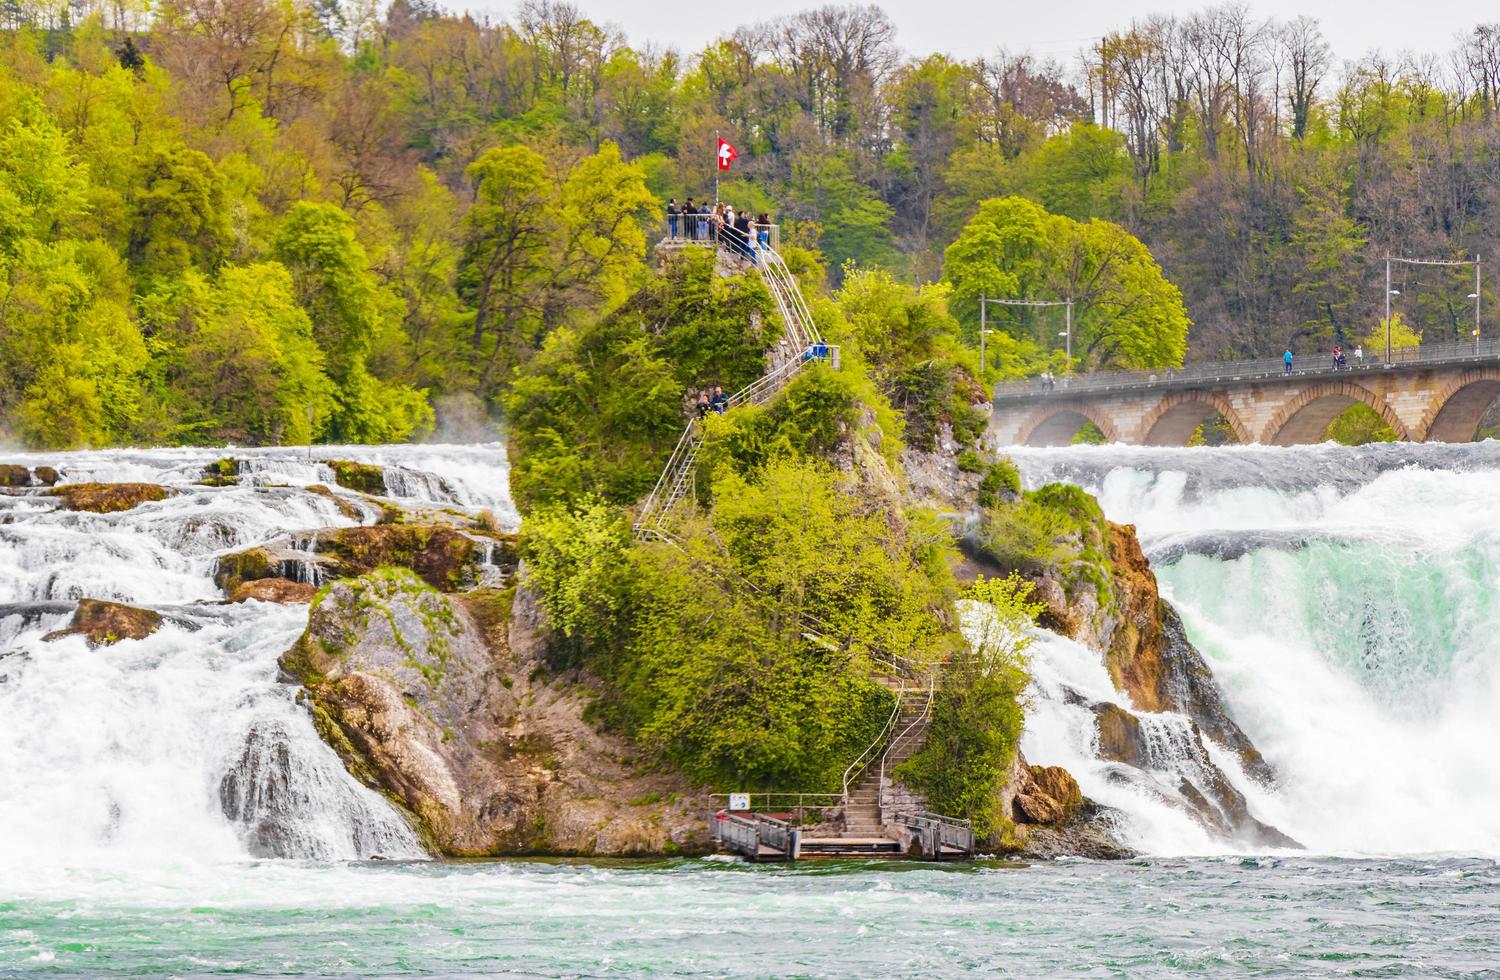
(978, 711)
(541, 248)
(180, 214)
(1125, 313)
(350, 312)
(246, 366)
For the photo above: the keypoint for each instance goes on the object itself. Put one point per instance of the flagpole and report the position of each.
(716, 166)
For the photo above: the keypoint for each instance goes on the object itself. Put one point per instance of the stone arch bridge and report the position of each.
(1429, 394)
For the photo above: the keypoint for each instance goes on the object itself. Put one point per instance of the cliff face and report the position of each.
(1157, 669)
(426, 699)
(1150, 658)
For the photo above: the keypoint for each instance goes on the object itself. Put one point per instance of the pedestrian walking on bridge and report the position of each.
(1287, 360)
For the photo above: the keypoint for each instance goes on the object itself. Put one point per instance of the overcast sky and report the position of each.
(967, 28)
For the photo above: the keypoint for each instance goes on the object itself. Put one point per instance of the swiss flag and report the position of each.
(727, 154)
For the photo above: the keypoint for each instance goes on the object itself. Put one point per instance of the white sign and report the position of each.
(739, 801)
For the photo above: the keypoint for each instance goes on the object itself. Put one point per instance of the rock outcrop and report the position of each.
(280, 590)
(1203, 790)
(107, 498)
(1052, 818)
(446, 557)
(1151, 659)
(104, 623)
(361, 477)
(421, 695)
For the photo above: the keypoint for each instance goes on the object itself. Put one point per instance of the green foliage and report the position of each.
(806, 419)
(240, 360)
(1057, 529)
(351, 312)
(1357, 425)
(745, 654)
(1088, 434)
(978, 711)
(1125, 312)
(1402, 336)
(599, 408)
(579, 564)
(915, 355)
(1001, 479)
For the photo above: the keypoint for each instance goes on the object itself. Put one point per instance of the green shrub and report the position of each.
(1088, 434)
(978, 712)
(1002, 478)
(1358, 425)
(1057, 529)
(970, 462)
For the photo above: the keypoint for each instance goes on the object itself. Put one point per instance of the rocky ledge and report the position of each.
(432, 700)
(445, 557)
(104, 623)
(107, 498)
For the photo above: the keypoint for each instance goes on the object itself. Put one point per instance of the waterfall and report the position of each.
(184, 746)
(1348, 602)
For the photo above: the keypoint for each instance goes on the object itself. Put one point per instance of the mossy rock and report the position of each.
(221, 473)
(14, 475)
(361, 477)
(103, 623)
(346, 508)
(445, 558)
(279, 590)
(107, 498)
(232, 571)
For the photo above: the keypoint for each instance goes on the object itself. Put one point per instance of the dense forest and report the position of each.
(280, 221)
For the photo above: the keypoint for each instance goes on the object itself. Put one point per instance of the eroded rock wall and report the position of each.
(424, 698)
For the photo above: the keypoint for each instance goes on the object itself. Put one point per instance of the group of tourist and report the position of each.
(1341, 360)
(736, 229)
(711, 400)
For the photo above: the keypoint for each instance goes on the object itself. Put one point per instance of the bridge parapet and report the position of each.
(1260, 369)
(1436, 392)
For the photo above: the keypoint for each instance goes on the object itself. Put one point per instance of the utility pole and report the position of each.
(1387, 311)
(1389, 292)
(982, 332)
(1068, 331)
(984, 301)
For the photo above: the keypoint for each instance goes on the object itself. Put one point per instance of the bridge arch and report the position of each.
(1056, 425)
(1175, 418)
(1305, 417)
(1455, 410)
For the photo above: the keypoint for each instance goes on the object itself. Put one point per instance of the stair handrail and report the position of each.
(775, 266)
(941, 831)
(921, 719)
(678, 454)
(857, 768)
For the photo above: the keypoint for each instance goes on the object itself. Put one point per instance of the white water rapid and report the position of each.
(1348, 602)
(183, 748)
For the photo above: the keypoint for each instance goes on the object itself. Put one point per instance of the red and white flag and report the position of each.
(727, 153)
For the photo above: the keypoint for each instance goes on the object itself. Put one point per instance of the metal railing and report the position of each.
(805, 344)
(934, 832)
(798, 805)
(703, 229)
(857, 768)
(917, 725)
(1266, 368)
(748, 834)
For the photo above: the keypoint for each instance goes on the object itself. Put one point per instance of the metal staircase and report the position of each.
(799, 346)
